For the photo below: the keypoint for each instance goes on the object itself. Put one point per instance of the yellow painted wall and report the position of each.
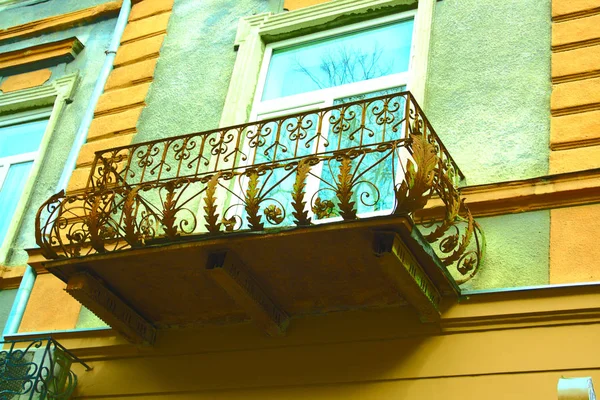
(574, 247)
(296, 4)
(361, 355)
(50, 307)
(575, 99)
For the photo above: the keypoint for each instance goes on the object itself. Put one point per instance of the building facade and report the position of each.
(302, 198)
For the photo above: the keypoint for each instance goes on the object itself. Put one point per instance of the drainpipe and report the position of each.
(86, 121)
(18, 308)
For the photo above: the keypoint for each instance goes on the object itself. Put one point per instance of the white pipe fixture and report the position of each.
(576, 389)
(88, 116)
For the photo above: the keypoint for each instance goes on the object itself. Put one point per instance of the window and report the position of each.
(352, 63)
(20, 138)
(27, 121)
(322, 69)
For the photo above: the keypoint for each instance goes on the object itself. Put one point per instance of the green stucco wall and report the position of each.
(195, 65)
(488, 86)
(517, 252)
(24, 14)
(7, 297)
(88, 319)
(95, 37)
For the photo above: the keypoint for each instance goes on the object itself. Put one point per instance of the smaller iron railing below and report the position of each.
(37, 369)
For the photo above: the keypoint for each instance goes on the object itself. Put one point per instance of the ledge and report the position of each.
(61, 22)
(545, 192)
(524, 307)
(508, 309)
(10, 277)
(40, 56)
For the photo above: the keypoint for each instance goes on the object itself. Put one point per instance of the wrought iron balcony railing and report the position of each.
(363, 159)
(36, 369)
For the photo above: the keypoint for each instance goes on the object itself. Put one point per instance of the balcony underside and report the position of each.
(313, 270)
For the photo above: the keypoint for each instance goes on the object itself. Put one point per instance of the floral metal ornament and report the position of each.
(375, 156)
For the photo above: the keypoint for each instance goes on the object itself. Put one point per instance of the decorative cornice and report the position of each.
(295, 23)
(525, 307)
(546, 192)
(45, 95)
(40, 56)
(10, 277)
(576, 14)
(61, 22)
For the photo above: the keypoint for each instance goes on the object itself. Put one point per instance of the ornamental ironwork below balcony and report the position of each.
(307, 213)
(36, 369)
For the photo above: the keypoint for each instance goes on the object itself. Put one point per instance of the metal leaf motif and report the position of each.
(169, 211)
(253, 202)
(210, 207)
(94, 224)
(298, 202)
(132, 236)
(414, 192)
(344, 190)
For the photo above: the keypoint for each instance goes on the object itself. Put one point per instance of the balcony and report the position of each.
(308, 213)
(36, 369)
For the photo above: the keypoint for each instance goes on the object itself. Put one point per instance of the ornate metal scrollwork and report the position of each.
(374, 156)
(38, 368)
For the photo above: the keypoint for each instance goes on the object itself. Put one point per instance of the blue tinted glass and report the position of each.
(21, 138)
(10, 193)
(354, 57)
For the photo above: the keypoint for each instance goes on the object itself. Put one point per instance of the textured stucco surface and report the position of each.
(195, 65)
(7, 297)
(95, 37)
(22, 15)
(488, 86)
(574, 250)
(517, 251)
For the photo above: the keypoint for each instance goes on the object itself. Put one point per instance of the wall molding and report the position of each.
(45, 95)
(61, 22)
(255, 31)
(40, 56)
(500, 310)
(10, 277)
(546, 192)
(576, 14)
(525, 307)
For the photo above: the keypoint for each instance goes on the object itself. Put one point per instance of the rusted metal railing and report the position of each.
(372, 157)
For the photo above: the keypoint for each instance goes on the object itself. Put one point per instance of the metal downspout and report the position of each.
(20, 303)
(88, 116)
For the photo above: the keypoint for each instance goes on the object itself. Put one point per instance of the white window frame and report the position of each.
(50, 100)
(256, 32)
(325, 97)
(8, 161)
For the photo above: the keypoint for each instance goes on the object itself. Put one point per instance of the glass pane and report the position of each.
(10, 193)
(334, 61)
(375, 171)
(21, 138)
